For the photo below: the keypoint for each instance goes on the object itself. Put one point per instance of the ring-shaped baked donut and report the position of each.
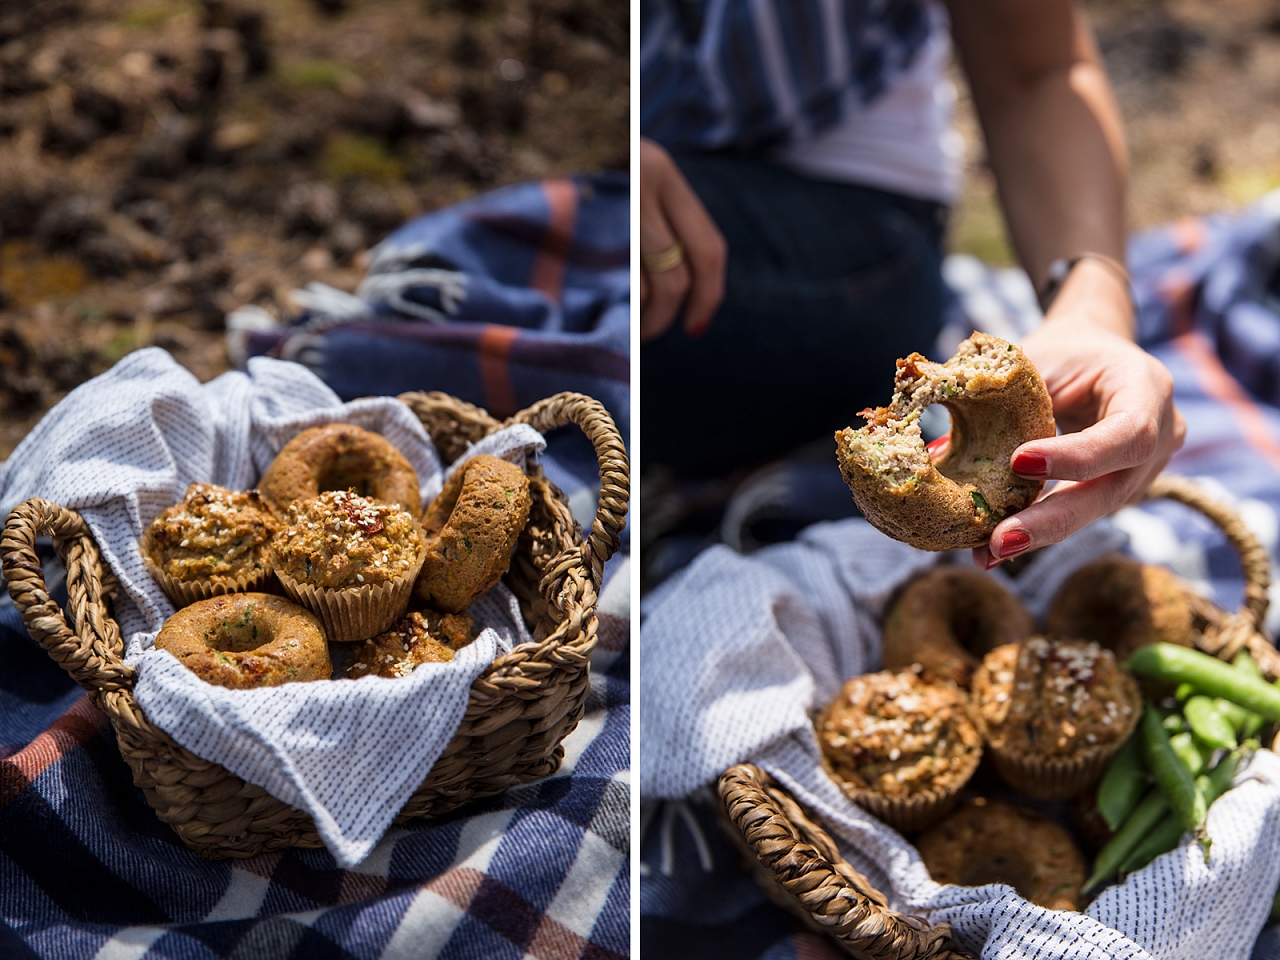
(471, 529)
(948, 619)
(1122, 605)
(247, 640)
(997, 402)
(989, 841)
(340, 456)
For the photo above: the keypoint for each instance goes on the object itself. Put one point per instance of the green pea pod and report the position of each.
(1174, 778)
(1184, 745)
(1172, 721)
(1245, 722)
(1122, 785)
(1208, 724)
(1184, 690)
(1166, 835)
(1246, 664)
(1175, 664)
(1145, 816)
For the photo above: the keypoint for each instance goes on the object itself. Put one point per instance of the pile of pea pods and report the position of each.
(1180, 759)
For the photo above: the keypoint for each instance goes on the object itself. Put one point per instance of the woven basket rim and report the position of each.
(556, 574)
(777, 829)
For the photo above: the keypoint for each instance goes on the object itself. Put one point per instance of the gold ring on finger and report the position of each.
(668, 259)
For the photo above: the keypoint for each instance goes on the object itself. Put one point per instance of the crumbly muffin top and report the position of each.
(417, 639)
(214, 533)
(339, 539)
(898, 735)
(1054, 697)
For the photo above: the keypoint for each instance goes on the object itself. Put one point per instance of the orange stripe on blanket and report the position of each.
(548, 269)
(495, 374)
(1219, 385)
(81, 721)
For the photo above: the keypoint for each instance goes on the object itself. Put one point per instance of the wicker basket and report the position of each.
(798, 864)
(520, 709)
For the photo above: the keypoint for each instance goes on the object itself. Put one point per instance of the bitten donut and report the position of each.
(988, 841)
(339, 456)
(1121, 604)
(247, 640)
(997, 402)
(471, 529)
(947, 619)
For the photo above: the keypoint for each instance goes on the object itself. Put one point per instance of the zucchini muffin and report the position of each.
(1123, 605)
(988, 841)
(421, 637)
(349, 559)
(899, 746)
(247, 640)
(946, 616)
(997, 402)
(215, 541)
(471, 529)
(1055, 712)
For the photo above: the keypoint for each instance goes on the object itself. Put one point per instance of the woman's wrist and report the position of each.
(1095, 292)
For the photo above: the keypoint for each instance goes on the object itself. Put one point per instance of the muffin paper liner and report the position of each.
(183, 593)
(356, 613)
(917, 811)
(912, 813)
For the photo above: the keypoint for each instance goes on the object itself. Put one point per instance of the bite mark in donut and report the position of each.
(247, 640)
(997, 402)
(472, 528)
(340, 456)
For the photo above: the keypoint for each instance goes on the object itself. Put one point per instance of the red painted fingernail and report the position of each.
(991, 561)
(939, 446)
(1031, 465)
(1014, 542)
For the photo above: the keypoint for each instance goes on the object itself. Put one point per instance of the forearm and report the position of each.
(1056, 145)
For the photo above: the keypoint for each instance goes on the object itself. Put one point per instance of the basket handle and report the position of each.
(615, 485)
(802, 857)
(1253, 556)
(92, 650)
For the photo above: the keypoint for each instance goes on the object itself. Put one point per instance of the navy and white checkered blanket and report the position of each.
(501, 300)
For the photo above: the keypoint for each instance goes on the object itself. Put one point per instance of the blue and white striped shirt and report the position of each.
(758, 73)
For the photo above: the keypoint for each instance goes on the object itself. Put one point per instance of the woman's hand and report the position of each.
(1114, 405)
(671, 213)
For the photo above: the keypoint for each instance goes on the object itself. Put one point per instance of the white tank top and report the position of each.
(904, 142)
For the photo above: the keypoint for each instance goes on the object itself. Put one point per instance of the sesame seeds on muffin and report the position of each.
(216, 535)
(339, 539)
(897, 735)
(1053, 697)
(421, 637)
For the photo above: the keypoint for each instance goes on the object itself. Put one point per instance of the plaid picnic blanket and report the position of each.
(502, 300)
(1208, 293)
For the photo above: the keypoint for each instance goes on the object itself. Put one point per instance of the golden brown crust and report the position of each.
(215, 541)
(946, 619)
(898, 735)
(421, 637)
(247, 640)
(988, 841)
(340, 456)
(1055, 712)
(1123, 605)
(472, 528)
(997, 402)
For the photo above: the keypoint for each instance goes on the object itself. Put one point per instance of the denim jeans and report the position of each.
(827, 284)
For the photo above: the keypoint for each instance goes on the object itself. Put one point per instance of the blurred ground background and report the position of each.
(1198, 83)
(165, 161)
